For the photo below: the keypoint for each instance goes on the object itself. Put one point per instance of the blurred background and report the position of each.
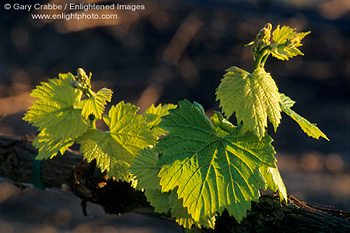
(174, 50)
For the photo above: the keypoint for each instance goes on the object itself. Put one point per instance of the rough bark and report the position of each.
(72, 173)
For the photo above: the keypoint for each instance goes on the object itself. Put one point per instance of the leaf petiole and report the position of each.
(261, 57)
(264, 59)
(89, 93)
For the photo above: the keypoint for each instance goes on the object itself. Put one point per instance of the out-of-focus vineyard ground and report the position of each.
(178, 50)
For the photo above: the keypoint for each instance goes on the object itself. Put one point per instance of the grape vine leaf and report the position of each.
(163, 202)
(211, 172)
(254, 97)
(48, 146)
(286, 101)
(159, 200)
(309, 128)
(286, 42)
(115, 150)
(56, 109)
(183, 218)
(96, 103)
(153, 116)
(221, 125)
(274, 181)
(146, 168)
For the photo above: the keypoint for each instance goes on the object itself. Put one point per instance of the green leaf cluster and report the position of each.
(200, 169)
(66, 110)
(254, 97)
(190, 167)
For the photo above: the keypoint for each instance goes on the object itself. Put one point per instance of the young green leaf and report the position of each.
(180, 213)
(286, 42)
(116, 149)
(153, 115)
(274, 181)
(286, 101)
(221, 125)
(96, 103)
(211, 172)
(183, 218)
(159, 200)
(146, 169)
(48, 146)
(309, 128)
(282, 35)
(253, 97)
(56, 109)
(109, 154)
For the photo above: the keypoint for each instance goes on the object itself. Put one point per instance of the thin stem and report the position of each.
(257, 62)
(93, 123)
(259, 58)
(90, 92)
(264, 60)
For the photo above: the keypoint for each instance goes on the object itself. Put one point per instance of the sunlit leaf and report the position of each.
(146, 169)
(116, 149)
(153, 116)
(48, 146)
(253, 97)
(274, 181)
(55, 110)
(309, 128)
(96, 103)
(211, 172)
(286, 42)
(183, 218)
